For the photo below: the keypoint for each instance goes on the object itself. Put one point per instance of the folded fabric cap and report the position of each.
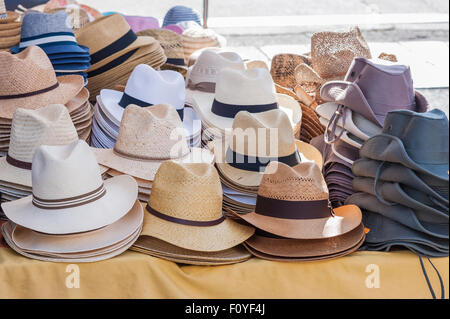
(179, 14)
(419, 141)
(255, 141)
(147, 137)
(50, 125)
(360, 91)
(84, 204)
(293, 202)
(185, 209)
(29, 81)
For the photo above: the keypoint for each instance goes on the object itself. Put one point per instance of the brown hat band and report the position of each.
(22, 95)
(71, 201)
(184, 221)
(207, 87)
(16, 163)
(286, 209)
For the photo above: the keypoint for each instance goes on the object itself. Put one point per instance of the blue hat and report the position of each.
(12, 5)
(179, 14)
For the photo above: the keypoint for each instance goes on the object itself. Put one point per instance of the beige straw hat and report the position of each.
(69, 195)
(256, 139)
(197, 38)
(28, 80)
(9, 33)
(50, 125)
(148, 137)
(11, 16)
(185, 209)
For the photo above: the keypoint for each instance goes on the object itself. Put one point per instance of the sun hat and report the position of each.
(171, 42)
(293, 203)
(249, 90)
(181, 13)
(139, 23)
(50, 125)
(148, 137)
(84, 204)
(185, 209)
(283, 66)
(360, 91)
(28, 81)
(419, 141)
(198, 38)
(255, 140)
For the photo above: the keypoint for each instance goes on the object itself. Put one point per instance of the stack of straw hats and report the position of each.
(178, 14)
(145, 87)
(147, 137)
(402, 183)
(9, 29)
(255, 141)
(294, 220)
(49, 125)
(84, 220)
(115, 51)
(28, 80)
(196, 38)
(54, 35)
(184, 222)
(355, 111)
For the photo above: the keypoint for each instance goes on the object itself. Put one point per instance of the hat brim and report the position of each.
(121, 193)
(202, 103)
(306, 248)
(346, 218)
(388, 148)
(146, 169)
(29, 240)
(223, 236)
(69, 87)
(245, 178)
(346, 136)
(58, 49)
(11, 25)
(14, 175)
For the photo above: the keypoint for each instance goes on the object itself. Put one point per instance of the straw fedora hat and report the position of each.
(171, 42)
(8, 16)
(293, 203)
(69, 195)
(255, 140)
(148, 137)
(28, 81)
(185, 209)
(197, 38)
(249, 90)
(283, 66)
(109, 38)
(50, 125)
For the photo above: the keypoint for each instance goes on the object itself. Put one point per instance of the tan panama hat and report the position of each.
(69, 195)
(28, 80)
(50, 125)
(255, 140)
(9, 33)
(10, 16)
(197, 38)
(185, 209)
(293, 202)
(147, 137)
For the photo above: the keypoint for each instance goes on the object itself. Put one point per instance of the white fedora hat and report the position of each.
(250, 90)
(50, 125)
(201, 77)
(146, 87)
(148, 137)
(69, 195)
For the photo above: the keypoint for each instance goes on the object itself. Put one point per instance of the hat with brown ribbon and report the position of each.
(28, 80)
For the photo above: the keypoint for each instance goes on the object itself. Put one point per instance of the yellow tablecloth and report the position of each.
(135, 275)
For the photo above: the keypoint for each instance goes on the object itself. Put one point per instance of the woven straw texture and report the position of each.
(171, 42)
(282, 69)
(78, 16)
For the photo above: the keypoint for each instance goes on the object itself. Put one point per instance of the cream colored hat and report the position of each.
(50, 125)
(185, 209)
(249, 90)
(256, 140)
(198, 38)
(148, 137)
(69, 195)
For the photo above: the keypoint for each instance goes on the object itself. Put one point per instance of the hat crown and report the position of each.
(50, 125)
(395, 80)
(188, 191)
(154, 132)
(65, 171)
(210, 63)
(333, 52)
(156, 87)
(410, 128)
(303, 182)
(26, 72)
(265, 134)
(180, 13)
(245, 87)
(170, 41)
(38, 23)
